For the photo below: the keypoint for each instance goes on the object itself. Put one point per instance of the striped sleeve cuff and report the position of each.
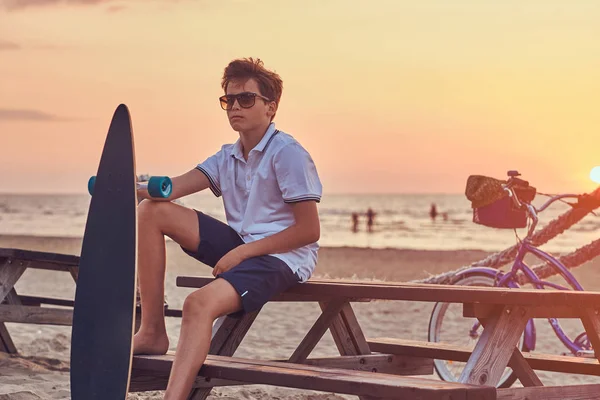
(306, 197)
(213, 186)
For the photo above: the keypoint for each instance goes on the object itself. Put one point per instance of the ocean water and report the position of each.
(401, 221)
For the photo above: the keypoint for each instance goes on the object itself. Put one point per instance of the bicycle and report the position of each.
(520, 214)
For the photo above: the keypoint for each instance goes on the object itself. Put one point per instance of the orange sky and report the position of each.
(388, 96)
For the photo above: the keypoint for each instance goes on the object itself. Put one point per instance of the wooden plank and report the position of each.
(35, 315)
(317, 331)
(495, 347)
(446, 351)
(324, 379)
(384, 363)
(321, 290)
(39, 257)
(10, 272)
(479, 310)
(591, 322)
(575, 392)
(38, 300)
(146, 380)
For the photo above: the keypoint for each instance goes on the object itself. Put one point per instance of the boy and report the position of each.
(270, 188)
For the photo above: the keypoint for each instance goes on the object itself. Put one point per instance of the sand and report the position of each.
(41, 369)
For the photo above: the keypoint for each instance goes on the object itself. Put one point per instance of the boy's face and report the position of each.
(246, 119)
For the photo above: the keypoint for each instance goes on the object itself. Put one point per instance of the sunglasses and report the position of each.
(244, 99)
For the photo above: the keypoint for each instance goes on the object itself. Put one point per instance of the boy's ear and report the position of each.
(272, 107)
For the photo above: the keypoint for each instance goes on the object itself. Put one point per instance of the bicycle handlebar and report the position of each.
(509, 186)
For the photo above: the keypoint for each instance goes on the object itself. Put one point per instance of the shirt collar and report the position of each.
(236, 150)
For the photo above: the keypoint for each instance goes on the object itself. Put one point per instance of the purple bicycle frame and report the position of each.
(509, 280)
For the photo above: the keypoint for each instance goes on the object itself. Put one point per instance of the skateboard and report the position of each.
(104, 309)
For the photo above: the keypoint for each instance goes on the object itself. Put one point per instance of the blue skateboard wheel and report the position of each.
(160, 186)
(91, 184)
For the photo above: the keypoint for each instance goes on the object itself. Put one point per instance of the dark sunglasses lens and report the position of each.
(224, 103)
(246, 100)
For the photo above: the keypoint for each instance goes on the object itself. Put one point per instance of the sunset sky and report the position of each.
(388, 96)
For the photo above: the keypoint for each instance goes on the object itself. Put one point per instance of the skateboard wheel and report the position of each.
(160, 186)
(91, 184)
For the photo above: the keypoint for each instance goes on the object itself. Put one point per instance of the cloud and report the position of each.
(20, 4)
(12, 114)
(6, 45)
(14, 5)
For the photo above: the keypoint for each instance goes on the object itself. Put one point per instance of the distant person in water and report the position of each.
(433, 212)
(370, 219)
(354, 222)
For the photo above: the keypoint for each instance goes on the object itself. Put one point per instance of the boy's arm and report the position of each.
(306, 230)
(191, 182)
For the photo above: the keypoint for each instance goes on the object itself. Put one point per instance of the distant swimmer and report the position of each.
(355, 222)
(433, 213)
(370, 219)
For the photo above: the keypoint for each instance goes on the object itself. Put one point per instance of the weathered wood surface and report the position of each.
(445, 351)
(40, 260)
(575, 392)
(35, 315)
(535, 311)
(326, 290)
(375, 385)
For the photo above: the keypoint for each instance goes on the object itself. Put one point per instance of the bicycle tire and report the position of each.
(435, 322)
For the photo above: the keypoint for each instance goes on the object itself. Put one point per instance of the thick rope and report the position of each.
(575, 259)
(553, 229)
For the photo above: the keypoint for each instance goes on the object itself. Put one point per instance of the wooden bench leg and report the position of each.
(520, 366)
(10, 272)
(225, 342)
(9, 275)
(314, 335)
(6, 343)
(347, 334)
(495, 346)
(591, 321)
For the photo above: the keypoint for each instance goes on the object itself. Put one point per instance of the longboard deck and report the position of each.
(103, 315)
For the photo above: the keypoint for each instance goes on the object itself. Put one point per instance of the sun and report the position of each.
(595, 174)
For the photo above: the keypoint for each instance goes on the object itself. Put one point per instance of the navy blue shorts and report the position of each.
(256, 279)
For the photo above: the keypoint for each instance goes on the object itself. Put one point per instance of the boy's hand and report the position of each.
(229, 260)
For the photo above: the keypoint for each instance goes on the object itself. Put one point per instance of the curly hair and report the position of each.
(243, 69)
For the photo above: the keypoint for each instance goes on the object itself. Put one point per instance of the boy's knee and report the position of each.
(149, 210)
(198, 304)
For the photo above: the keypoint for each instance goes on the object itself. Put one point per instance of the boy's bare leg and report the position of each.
(155, 221)
(200, 310)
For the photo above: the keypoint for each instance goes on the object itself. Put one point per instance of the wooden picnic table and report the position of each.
(503, 312)
(28, 308)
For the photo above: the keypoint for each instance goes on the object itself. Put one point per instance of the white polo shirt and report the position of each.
(257, 193)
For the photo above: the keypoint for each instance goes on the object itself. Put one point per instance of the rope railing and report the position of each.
(553, 229)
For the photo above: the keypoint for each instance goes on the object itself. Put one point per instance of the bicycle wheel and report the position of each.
(448, 325)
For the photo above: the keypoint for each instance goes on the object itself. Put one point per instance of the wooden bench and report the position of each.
(28, 309)
(446, 351)
(368, 385)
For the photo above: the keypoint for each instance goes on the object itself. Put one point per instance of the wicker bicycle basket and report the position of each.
(492, 205)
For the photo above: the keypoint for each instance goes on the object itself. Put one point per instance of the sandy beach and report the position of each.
(41, 369)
